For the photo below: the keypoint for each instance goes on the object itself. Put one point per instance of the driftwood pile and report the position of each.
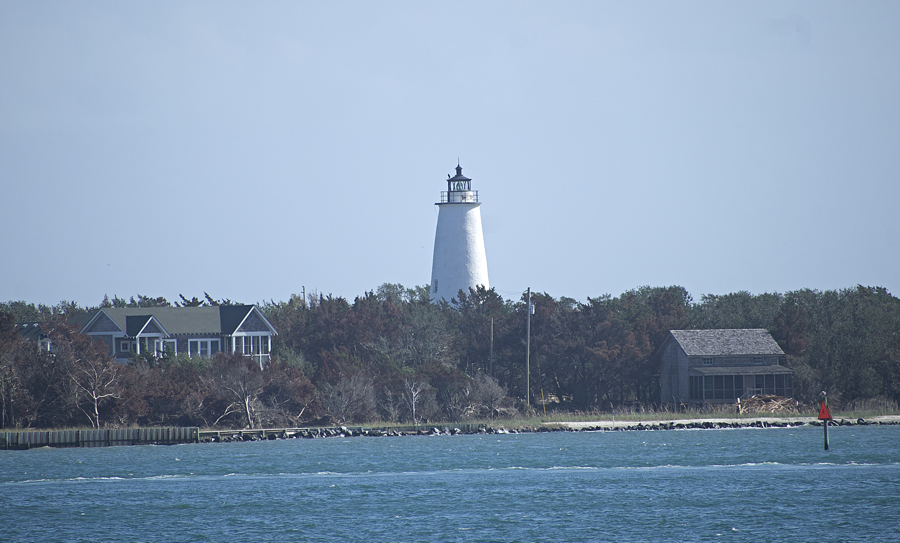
(766, 404)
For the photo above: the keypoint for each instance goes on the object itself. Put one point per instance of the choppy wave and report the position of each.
(665, 486)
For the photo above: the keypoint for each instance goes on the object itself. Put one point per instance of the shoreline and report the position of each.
(228, 436)
(23, 440)
(729, 422)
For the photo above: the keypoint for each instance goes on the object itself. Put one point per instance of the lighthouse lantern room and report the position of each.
(459, 189)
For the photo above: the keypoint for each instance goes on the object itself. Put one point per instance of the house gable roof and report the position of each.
(98, 322)
(233, 316)
(728, 342)
(250, 319)
(147, 324)
(32, 331)
(213, 320)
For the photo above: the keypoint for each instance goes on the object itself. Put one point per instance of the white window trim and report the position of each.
(167, 342)
(208, 341)
(262, 358)
(244, 335)
(153, 342)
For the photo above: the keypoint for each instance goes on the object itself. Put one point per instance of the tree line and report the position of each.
(392, 355)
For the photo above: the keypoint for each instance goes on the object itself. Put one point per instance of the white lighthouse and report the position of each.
(459, 258)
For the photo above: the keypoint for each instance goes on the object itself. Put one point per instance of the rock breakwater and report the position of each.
(449, 430)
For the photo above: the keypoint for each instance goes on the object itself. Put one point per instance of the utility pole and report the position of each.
(528, 351)
(492, 347)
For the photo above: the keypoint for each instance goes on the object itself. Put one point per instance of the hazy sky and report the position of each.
(249, 149)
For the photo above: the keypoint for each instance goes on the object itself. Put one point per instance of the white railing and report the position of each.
(459, 197)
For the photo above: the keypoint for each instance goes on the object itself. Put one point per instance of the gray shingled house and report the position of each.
(719, 366)
(195, 331)
(34, 331)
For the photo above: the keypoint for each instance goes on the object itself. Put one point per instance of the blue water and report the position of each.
(678, 485)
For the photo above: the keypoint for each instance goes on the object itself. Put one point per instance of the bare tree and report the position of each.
(95, 381)
(288, 394)
(412, 394)
(9, 385)
(89, 376)
(457, 400)
(352, 399)
(389, 404)
(238, 380)
(9, 379)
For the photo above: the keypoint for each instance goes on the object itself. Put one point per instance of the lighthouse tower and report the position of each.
(459, 259)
